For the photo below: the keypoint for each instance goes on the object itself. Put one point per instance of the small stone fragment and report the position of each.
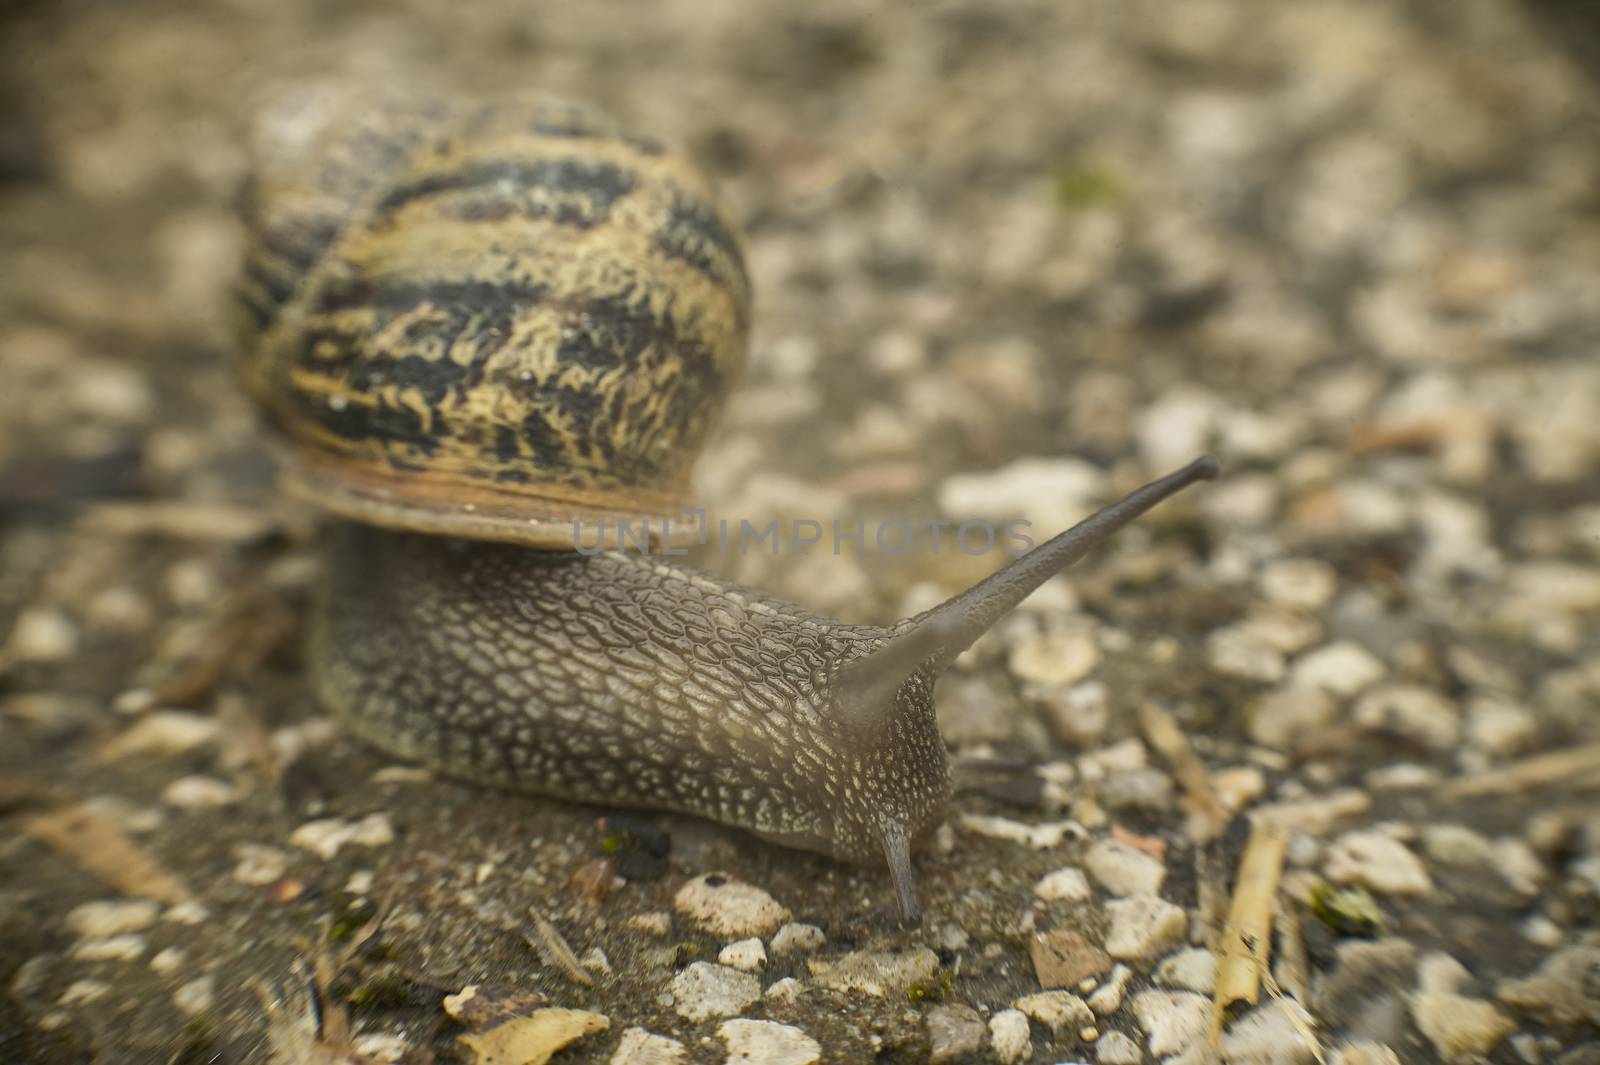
(259, 865)
(768, 1043)
(81, 991)
(102, 920)
(1342, 668)
(165, 732)
(1194, 969)
(1299, 583)
(639, 1047)
(1040, 837)
(1058, 1009)
(876, 973)
(1240, 653)
(1563, 990)
(729, 908)
(1064, 885)
(655, 923)
(795, 937)
(196, 996)
(1455, 1024)
(1420, 714)
(1059, 657)
(1063, 958)
(41, 634)
(747, 955)
(1009, 1034)
(1124, 870)
(199, 793)
(532, 1040)
(954, 1031)
(1107, 998)
(125, 947)
(326, 837)
(786, 990)
(1143, 927)
(1172, 1020)
(1284, 716)
(704, 990)
(1378, 862)
(1115, 1048)
(169, 960)
(1364, 1052)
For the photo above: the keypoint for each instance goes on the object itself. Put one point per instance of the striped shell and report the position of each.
(485, 320)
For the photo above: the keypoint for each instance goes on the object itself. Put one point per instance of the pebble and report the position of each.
(1364, 1052)
(747, 955)
(1456, 845)
(797, 938)
(1107, 998)
(1563, 990)
(1143, 927)
(167, 961)
(876, 973)
(1040, 837)
(1067, 884)
(1057, 657)
(41, 634)
(729, 908)
(259, 865)
(164, 732)
(1342, 667)
(1063, 958)
(768, 1043)
(1077, 715)
(1124, 870)
(103, 920)
(704, 990)
(326, 837)
(1285, 716)
(1500, 728)
(127, 947)
(641, 1047)
(1378, 862)
(196, 996)
(199, 793)
(1364, 970)
(1116, 1048)
(81, 991)
(1299, 583)
(1058, 1009)
(1269, 1035)
(1010, 1036)
(1172, 1021)
(1456, 1025)
(1238, 652)
(655, 923)
(1194, 969)
(1420, 714)
(786, 990)
(954, 1032)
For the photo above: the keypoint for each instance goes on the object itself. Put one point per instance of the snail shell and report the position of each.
(485, 320)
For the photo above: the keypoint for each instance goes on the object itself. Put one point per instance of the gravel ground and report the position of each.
(1010, 260)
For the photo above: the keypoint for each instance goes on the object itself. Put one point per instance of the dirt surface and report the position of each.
(1010, 261)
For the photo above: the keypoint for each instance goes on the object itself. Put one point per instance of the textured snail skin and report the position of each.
(619, 679)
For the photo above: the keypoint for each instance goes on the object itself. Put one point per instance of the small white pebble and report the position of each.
(102, 920)
(1067, 884)
(167, 961)
(1010, 1036)
(117, 948)
(196, 996)
(795, 937)
(198, 793)
(747, 955)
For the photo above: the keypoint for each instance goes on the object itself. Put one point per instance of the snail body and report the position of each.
(469, 432)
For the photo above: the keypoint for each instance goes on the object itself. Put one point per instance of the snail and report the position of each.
(482, 328)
